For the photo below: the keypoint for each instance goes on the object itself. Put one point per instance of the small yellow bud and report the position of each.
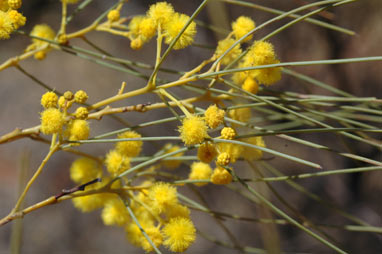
(40, 55)
(68, 95)
(250, 85)
(81, 97)
(113, 15)
(14, 4)
(49, 100)
(81, 113)
(223, 159)
(228, 133)
(136, 44)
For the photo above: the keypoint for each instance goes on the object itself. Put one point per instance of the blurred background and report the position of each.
(63, 229)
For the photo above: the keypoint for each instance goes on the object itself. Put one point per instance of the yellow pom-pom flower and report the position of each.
(221, 176)
(200, 171)
(116, 163)
(242, 26)
(174, 26)
(94, 201)
(115, 213)
(193, 130)
(15, 4)
(78, 130)
(52, 121)
(147, 29)
(161, 13)
(172, 164)
(223, 46)
(207, 152)
(80, 96)
(179, 234)
(223, 159)
(6, 26)
(42, 31)
(250, 85)
(162, 195)
(49, 100)
(155, 236)
(81, 113)
(250, 153)
(227, 133)
(84, 170)
(113, 15)
(18, 20)
(129, 148)
(214, 116)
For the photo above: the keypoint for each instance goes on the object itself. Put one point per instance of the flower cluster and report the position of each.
(161, 19)
(55, 119)
(10, 18)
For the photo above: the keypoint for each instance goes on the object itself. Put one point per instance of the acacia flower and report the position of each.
(193, 130)
(78, 130)
(116, 163)
(113, 15)
(81, 113)
(221, 176)
(162, 195)
(179, 234)
(227, 133)
(115, 213)
(223, 159)
(5, 26)
(200, 171)
(242, 26)
(223, 46)
(250, 85)
(52, 121)
(214, 116)
(84, 170)
(129, 148)
(206, 152)
(49, 100)
(173, 28)
(15, 4)
(250, 153)
(80, 96)
(161, 13)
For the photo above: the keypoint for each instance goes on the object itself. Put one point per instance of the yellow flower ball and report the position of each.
(162, 195)
(155, 236)
(113, 15)
(18, 20)
(15, 4)
(177, 210)
(42, 31)
(174, 26)
(78, 130)
(116, 163)
(250, 153)
(227, 133)
(179, 234)
(81, 113)
(84, 170)
(250, 85)
(80, 97)
(52, 121)
(223, 159)
(223, 46)
(221, 176)
(242, 26)
(6, 26)
(193, 130)
(161, 13)
(200, 171)
(129, 148)
(214, 116)
(206, 152)
(115, 213)
(49, 100)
